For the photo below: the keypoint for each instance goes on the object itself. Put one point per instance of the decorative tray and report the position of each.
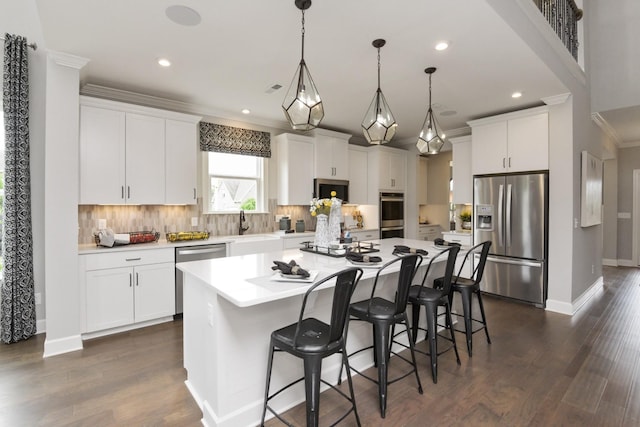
(342, 250)
(187, 235)
(133, 238)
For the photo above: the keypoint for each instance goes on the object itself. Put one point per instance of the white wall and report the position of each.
(614, 63)
(21, 18)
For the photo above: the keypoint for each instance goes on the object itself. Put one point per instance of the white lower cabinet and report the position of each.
(364, 235)
(128, 287)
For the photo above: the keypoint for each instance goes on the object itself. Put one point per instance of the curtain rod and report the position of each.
(31, 45)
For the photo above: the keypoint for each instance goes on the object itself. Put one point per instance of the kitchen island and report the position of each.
(231, 306)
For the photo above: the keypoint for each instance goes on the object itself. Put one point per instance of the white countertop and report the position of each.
(247, 280)
(91, 248)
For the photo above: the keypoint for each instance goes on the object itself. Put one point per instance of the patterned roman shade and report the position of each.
(228, 139)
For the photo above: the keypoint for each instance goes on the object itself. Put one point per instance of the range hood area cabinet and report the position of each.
(136, 155)
(295, 168)
(387, 171)
(512, 142)
(461, 170)
(331, 154)
(358, 175)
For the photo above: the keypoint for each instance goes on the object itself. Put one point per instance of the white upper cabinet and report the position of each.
(181, 172)
(295, 168)
(421, 184)
(358, 170)
(512, 142)
(462, 176)
(145, 159)
(331, 154)
(387, 171)
(128, 153)
(102, 156)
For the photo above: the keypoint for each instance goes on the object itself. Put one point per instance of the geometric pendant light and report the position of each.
(431, 138)
(379, 125)
(302, 104)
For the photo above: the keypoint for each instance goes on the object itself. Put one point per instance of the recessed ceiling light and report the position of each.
(246, 111)
(183, 15)
(516, 94)
(442, 45)
(164, 62)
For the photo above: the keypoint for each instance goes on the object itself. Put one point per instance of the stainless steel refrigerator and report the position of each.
(512, 212)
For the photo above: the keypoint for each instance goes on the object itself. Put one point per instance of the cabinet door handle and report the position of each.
(122, 191)
(194, 194)
(509, 161)
(503, 163)
(133, 259)
(128, 192)
(136, 279)
(130, 280)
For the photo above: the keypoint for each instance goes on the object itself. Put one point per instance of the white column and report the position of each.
(62, 297)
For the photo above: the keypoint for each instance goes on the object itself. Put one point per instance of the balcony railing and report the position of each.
(563, 16)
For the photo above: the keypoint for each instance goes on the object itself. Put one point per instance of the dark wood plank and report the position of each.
(542, 369)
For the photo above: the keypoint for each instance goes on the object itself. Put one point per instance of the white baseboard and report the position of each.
(610, 262)
(626, 263)
(97, 334)
(573, 307)
(62, 345)
(41, 326)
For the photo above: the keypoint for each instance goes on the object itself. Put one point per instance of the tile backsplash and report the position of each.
(165, 218)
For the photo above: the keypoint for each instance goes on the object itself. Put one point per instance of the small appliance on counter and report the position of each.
(285, 223)
(300, 227)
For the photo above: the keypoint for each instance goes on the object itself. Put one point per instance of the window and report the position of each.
(234, 182)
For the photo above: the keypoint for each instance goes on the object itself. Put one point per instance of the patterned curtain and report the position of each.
(227, 139)
(17, 310)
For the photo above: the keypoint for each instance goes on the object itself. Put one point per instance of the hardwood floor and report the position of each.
(542, 369)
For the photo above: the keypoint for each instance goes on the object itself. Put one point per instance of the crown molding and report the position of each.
(67, 60)
(169, 104)
(607, 129)
(556, 99)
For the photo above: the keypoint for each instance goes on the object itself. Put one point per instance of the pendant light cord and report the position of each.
(429, 91)
(302, 35)
(378, 69)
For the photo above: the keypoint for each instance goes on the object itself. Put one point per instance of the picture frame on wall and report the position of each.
(591, 190)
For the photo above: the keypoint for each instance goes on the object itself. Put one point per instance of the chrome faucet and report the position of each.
(242, 229)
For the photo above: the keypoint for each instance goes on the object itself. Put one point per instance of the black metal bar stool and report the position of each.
(468, 287)
(312, 340)
(383, 315)
(431, 298)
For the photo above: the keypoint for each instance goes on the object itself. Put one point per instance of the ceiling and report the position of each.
(241, 48)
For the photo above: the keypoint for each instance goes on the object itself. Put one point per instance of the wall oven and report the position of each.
(391, 215)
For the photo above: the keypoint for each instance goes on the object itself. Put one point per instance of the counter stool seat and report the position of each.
(431, 298)
(383, 315)
(467, 288)
(312, 340)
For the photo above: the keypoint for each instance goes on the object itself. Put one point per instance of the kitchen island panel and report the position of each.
(231, 308)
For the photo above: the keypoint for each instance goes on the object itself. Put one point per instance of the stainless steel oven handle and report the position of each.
(391, 228)
(391, 199)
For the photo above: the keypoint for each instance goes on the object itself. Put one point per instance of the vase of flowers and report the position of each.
(327, 214)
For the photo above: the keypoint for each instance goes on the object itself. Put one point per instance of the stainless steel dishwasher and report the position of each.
(194, 253)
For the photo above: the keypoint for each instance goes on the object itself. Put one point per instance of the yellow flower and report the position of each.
(313, 213)
(333, 194)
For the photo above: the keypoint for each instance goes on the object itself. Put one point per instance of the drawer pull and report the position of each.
(133, 259)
